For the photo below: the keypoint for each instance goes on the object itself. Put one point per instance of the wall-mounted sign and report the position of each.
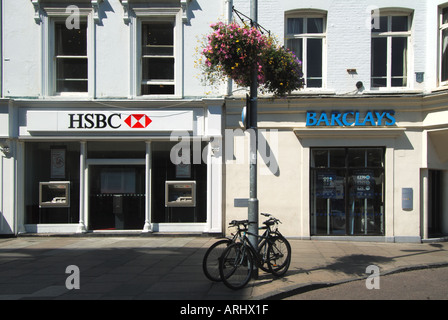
(57, 163)
(110, 121)
(407, 199)
(350, 118)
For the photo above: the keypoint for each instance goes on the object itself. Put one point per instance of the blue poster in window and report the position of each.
(329, 186)
(363, 184)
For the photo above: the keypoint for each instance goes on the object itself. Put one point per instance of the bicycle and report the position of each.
(238, 260)
(210, 262)
(279, 245)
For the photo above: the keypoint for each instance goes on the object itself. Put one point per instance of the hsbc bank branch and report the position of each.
(126, 167)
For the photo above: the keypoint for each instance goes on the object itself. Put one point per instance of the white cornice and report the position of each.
(62, 7)
(127, 9)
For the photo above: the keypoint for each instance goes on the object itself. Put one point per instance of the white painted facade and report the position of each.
(32, 111)
(413, 147)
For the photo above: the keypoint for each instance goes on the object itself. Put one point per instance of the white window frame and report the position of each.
(49, 60)
(305, 14)
(141, 16)
(389, 35)
(442, 27)
(56, 57)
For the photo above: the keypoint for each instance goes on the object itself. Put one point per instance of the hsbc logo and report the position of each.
(107, 121)
(138, 121)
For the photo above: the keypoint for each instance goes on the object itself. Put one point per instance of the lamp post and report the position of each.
(252, 114)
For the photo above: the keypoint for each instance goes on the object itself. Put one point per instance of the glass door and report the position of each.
(346, 192)
(116, 197)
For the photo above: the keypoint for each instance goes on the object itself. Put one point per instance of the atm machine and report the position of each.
(180, 201)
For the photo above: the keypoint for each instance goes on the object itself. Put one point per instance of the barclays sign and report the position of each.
(350, 119)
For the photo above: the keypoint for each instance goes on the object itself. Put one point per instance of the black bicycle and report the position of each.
(210, 262)
(239, 260)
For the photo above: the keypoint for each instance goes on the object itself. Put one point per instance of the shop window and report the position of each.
(179, 176)
(347, 191)
(390, 51)
(305, 36)
(443, 29)
(51, 182)
(70, 56)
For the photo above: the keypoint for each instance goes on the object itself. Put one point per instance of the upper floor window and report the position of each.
(305, 36)
(157, 66)
(68, 47)
(70, 58)
(443, 76)
(390, 51)
(157, 57)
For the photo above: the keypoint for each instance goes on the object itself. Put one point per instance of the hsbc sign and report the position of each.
(138, 121)
(113, 121)
(107, 121)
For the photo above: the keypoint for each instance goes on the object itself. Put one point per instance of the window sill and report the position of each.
(158, 97)
(68, 97)
(394, 91)
(301, 93)
(314, 92)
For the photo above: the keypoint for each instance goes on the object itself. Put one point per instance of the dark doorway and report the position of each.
(435, 206)
(116, 197)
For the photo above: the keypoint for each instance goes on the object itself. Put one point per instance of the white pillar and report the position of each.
(148, 165)
(19, 189)
(82, 188)
(425, 206)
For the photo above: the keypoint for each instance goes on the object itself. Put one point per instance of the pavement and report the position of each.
(170, 267)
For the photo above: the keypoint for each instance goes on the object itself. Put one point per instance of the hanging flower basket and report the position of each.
(282, 71)
(234, 51)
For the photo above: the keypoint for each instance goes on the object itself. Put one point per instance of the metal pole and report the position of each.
(253, 201)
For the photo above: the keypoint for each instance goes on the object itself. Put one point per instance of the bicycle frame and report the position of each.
(259, 259)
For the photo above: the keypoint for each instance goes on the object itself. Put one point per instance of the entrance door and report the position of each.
(116, 197)
(435, 203)
(347, 191)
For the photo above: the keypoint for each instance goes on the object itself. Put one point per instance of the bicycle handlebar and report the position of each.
(235, 223)
(271, 221)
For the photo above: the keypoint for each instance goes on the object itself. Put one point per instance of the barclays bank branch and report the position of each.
(364, 168)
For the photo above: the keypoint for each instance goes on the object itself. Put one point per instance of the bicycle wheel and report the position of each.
(263, 252)
(279, 255)
(210, 262)
(235, 266)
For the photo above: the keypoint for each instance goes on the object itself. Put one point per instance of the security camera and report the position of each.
(359, 85)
